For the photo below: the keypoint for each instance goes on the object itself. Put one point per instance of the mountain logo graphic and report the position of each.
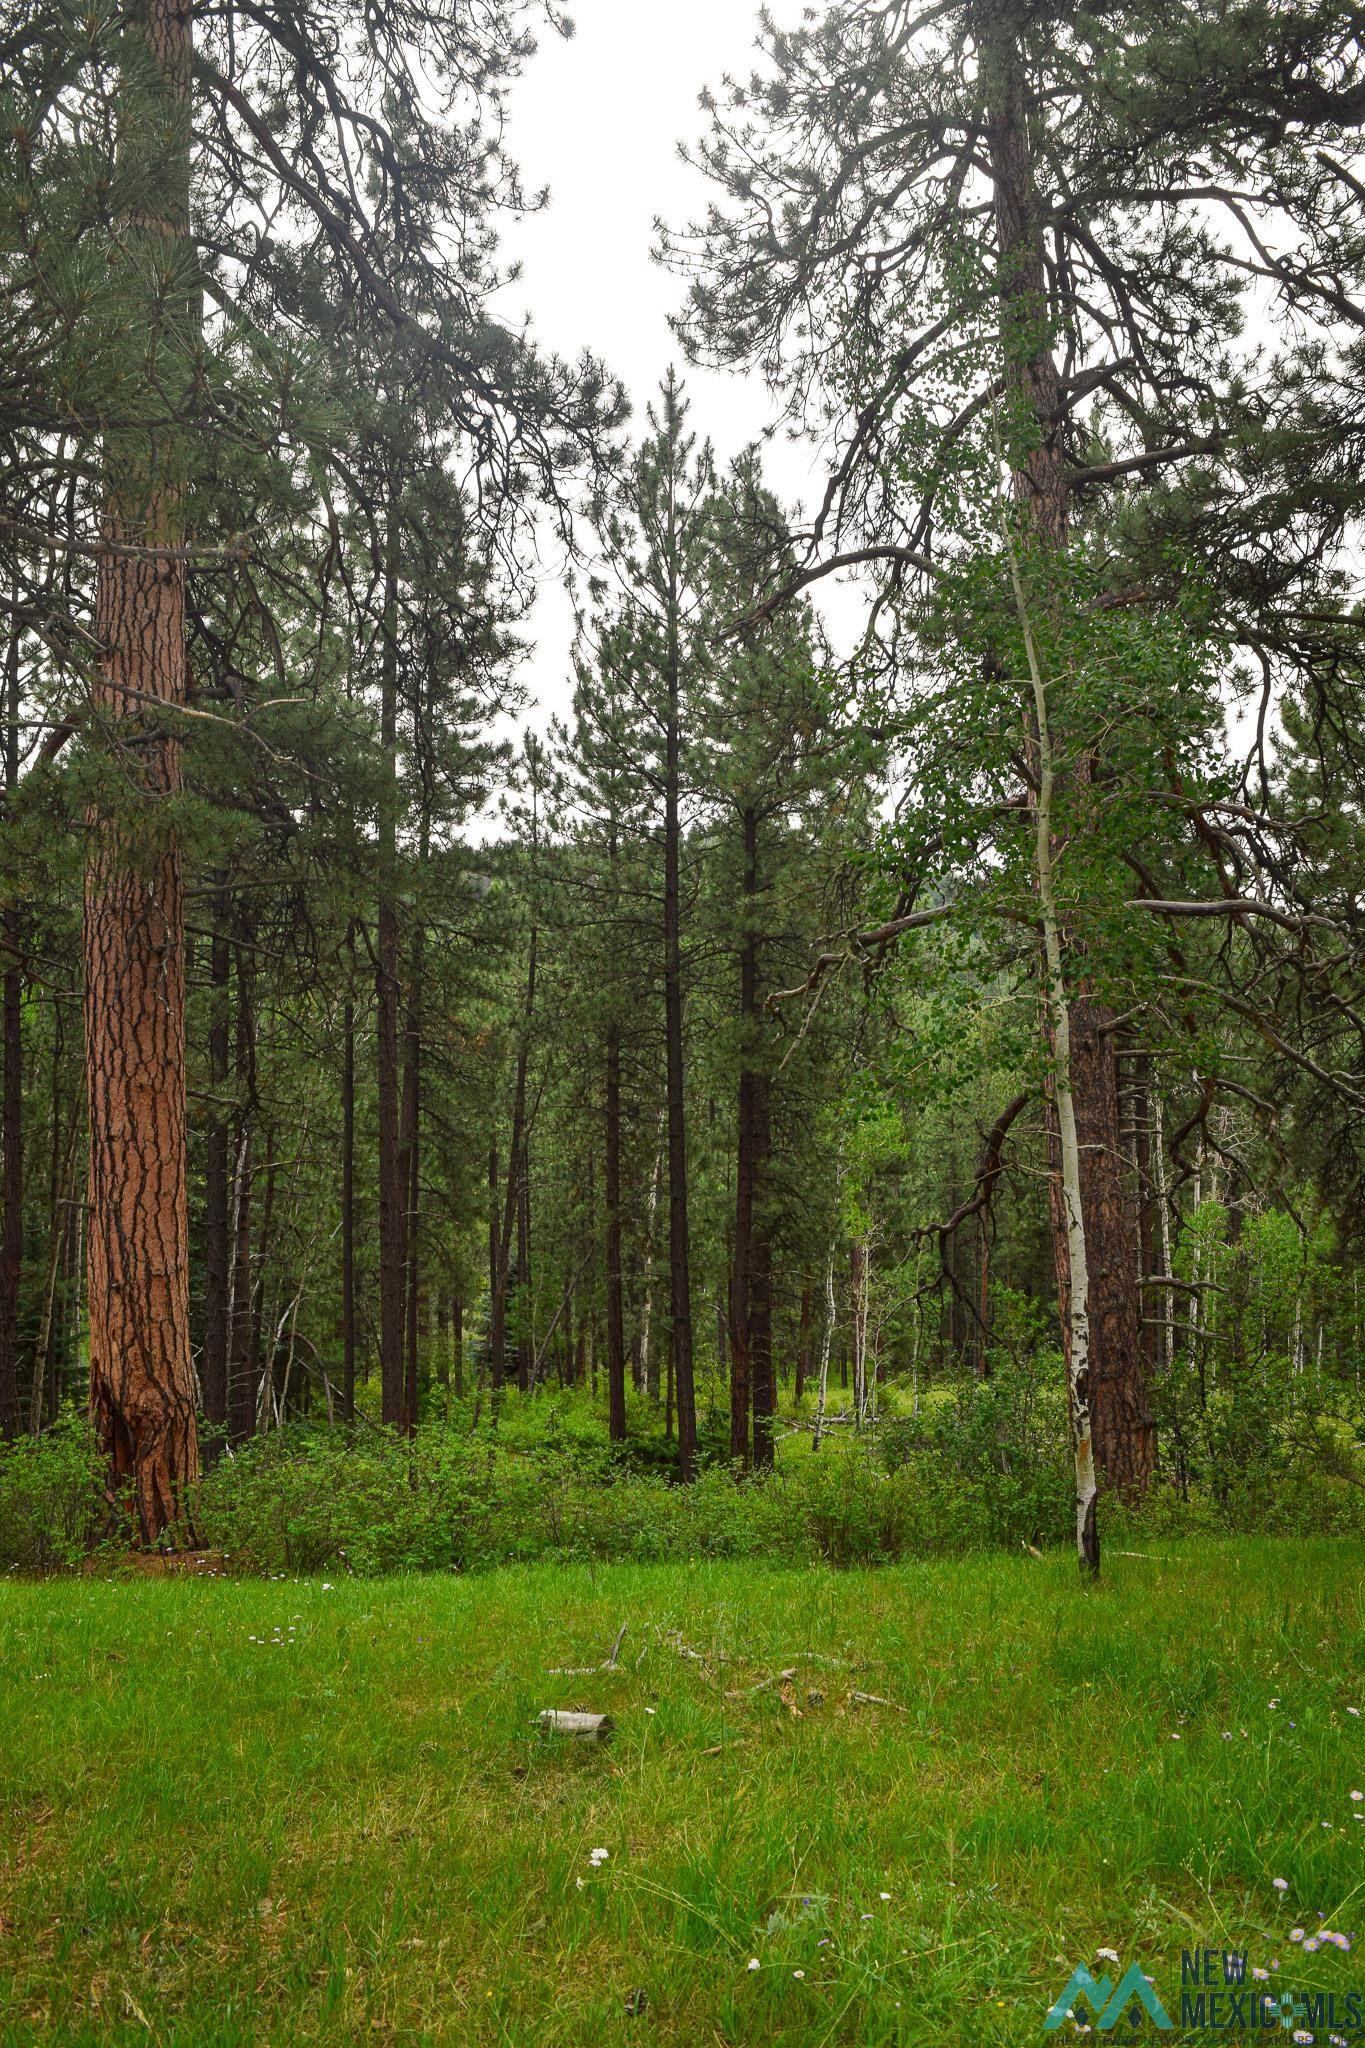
(1108, 2003)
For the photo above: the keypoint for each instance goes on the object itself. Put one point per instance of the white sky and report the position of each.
(598, 119)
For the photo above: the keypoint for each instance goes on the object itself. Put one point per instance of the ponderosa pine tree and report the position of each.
(906, 232)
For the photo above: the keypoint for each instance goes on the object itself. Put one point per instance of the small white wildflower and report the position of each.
(1281, 1884)
(328, 1587)
(1261, 1975)
(883, 1895)
(1358, 1796)
(1108, 1955)
(798, 1973)
(597, 1857)
(754, 1963)
(1355, 1711)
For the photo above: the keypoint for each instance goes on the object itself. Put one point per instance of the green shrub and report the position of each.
(51, 1498)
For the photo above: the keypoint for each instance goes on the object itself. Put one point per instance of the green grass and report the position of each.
(356, 1834)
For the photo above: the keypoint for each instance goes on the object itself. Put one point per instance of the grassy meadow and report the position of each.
(292, 1810)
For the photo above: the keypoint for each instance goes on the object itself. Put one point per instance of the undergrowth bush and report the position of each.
(983, 1465)
(51, 1498)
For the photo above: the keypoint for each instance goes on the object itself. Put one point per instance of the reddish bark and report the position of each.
(143, 1394)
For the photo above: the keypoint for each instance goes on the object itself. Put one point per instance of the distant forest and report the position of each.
(790, 1038)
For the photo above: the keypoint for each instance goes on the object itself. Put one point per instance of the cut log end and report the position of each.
(582, 1727)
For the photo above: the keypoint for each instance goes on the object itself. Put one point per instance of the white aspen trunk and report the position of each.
(1059, 1011)
(860, 1265)
(826, 1340)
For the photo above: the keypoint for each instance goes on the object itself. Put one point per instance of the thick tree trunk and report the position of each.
(616, 1328)
(143, 1393)
(217, 1225)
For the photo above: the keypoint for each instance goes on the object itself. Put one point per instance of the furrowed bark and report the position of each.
(143, 1394)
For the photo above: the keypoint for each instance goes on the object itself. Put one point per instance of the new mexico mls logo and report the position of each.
(1134, 1995)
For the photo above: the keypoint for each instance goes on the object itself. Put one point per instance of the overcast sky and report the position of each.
(598, 119)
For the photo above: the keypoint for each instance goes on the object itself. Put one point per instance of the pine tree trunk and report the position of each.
(524, 1339)
(393, 1188)
(740, 1270)
(681, 1385)
(348, 1210)
(1124, 1435)
(411, 1166)
(143, 1392)
(616, 1329)
(242, 1350)
(12, 1100)
(217, 1251)
(761, 1377)
(516, 1168)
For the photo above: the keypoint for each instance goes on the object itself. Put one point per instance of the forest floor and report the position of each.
(886, 1807)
